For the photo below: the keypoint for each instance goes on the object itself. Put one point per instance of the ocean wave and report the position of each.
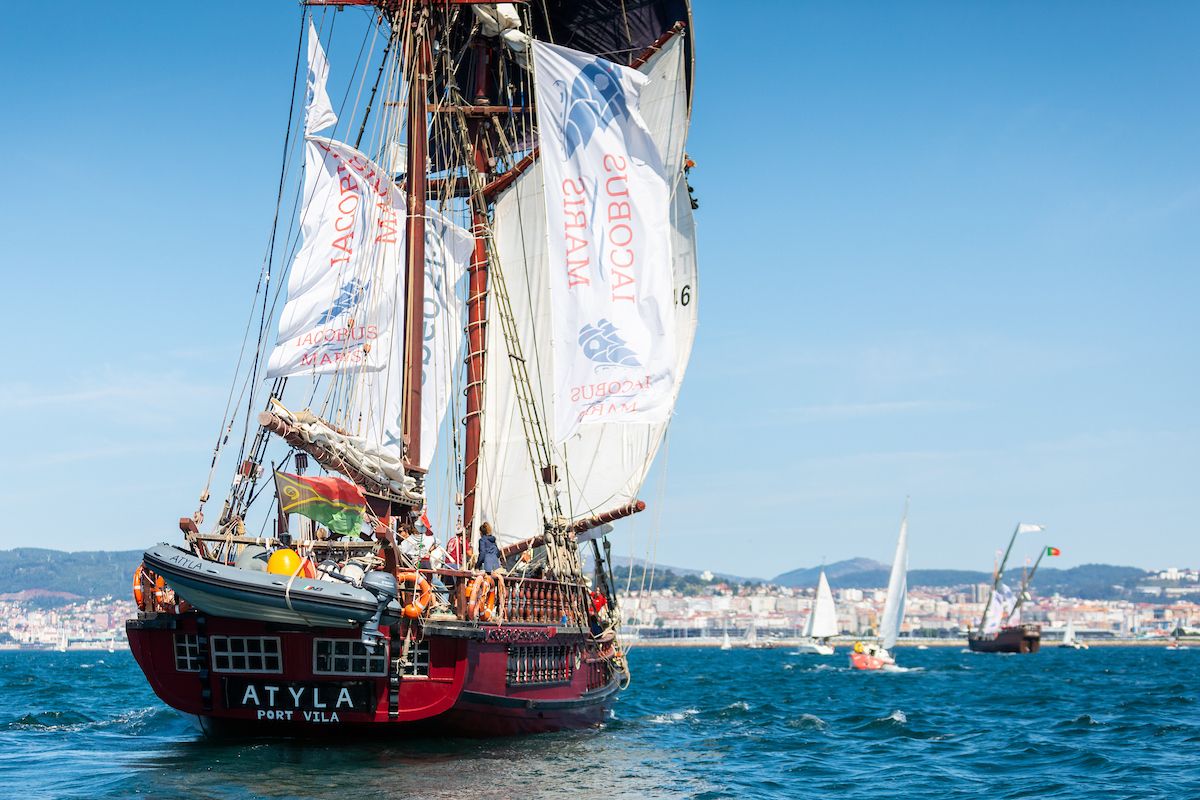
(808, 722)
(675, 716)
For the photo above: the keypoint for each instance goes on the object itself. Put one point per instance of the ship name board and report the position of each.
(290, 701)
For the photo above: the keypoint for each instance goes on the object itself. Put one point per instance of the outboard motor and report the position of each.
(383, 586)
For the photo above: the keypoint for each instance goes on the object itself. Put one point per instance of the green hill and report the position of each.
(89, 574)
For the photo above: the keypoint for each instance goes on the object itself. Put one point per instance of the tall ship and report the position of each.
(469, 333)
(1001, 629)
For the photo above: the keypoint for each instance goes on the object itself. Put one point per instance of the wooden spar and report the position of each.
(657, 45)
(421, 65)
(577, 527)
(329, 459)
(476, 312)
(1025, 585)
(999, 575)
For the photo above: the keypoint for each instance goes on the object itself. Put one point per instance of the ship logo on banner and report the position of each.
(609, 247)
(351, 295)
(596, 101)
(600, 342)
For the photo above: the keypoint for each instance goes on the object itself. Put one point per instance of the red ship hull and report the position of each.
(241, 677)
(1015, 639)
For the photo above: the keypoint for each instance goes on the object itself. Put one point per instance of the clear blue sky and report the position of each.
(949, 250)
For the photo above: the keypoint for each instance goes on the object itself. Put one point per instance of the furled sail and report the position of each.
(602, 466)
(822, 622)
(893, 606)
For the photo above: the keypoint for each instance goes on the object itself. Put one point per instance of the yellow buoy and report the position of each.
(283, 561)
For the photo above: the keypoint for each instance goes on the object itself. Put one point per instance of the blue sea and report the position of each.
(1104, 723)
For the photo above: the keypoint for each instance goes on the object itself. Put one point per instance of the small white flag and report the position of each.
(318, 111)
(1027, 527)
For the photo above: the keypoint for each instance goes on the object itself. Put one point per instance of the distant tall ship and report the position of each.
(492, 260)
(1001, 629)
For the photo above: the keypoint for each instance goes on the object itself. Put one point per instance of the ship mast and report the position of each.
(419, 69)
(1025, 586)
(476, 295)
(999, 575)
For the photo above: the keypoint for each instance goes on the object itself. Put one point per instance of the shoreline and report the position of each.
(908, 644)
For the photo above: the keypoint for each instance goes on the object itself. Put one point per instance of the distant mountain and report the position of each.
(1087, 581)
(90, 574)
(99, 573)
(835, 573)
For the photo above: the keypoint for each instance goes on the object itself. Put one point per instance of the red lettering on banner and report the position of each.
(620, 234)
(578, 261)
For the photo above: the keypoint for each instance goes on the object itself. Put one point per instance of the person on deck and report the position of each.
(489, 551)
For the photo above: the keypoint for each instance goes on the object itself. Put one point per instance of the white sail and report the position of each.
(1069, 633)
(507, 492)
(893, 606)
(822, 622)
(603, 466)
(378, 405)
(344, 310)
(1000, 609)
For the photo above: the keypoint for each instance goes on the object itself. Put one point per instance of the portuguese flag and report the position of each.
(337, 504)
(1053, 551)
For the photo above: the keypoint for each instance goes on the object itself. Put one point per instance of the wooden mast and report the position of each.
(998, 577)
(420, 66)
(476, 302)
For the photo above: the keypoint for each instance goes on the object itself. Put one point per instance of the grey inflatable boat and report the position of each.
(226, 591)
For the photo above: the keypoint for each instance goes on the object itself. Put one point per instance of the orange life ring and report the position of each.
(481, 594)
(150, 591)
(422, 595)
(138, 595)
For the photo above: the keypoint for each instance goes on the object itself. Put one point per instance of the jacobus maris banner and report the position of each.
(347, 277)
(607, 208)
(346, 291)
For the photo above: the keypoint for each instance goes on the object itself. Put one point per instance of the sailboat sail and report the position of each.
(1004, 600)
(822, 622)
(602, 466)
(893, 606)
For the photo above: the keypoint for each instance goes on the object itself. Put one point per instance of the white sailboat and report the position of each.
(821, 624)
(725, 643)
(1070, 639)
(878, 656)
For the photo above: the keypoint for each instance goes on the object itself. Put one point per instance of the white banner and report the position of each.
(608, 218)
(318, 112)
(448, 250)
(346, 280)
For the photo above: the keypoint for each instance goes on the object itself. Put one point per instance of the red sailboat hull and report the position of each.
(241, 677)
